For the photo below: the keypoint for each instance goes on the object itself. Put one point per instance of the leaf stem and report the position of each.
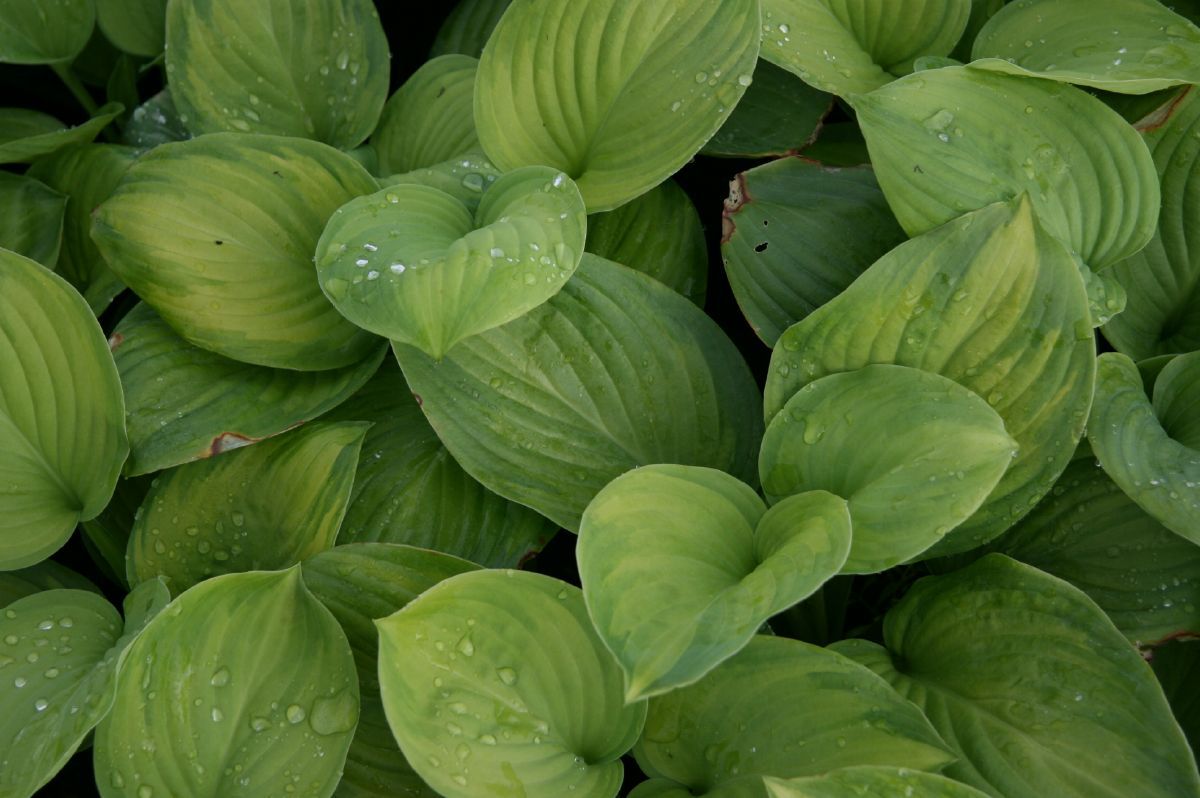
(76, 86)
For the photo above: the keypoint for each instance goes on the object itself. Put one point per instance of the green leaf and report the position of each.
(951, 140)
(266, 506)
(359, 584)
(839, 144)
(316, 70)
(32, 224)
(430, 118)
(27, 135)
(878, 782)
(1151, 449)
(495, 681)
(681, 565)
(615, 371)
(184, 403)
(913, 453)
(465, 178)
(1127, 46)
(467, 28)
(62, 416)
(135, 26)
(796, 234)
(658, 234)
(408, 489)
(1177, 666)
(782, 708)
(217, 235)
(1089, 533)
(981, 12)
(778, 115)
(46, 575)
(848, 48)
(107, 535)
(619, 115)
(1162, 315)
(155, 122)
(244, 685)
(413, 263)
(34, 32)
(88, 174)
(994, 303)
(1032, 685)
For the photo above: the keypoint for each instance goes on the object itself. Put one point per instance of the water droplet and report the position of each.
(11, 639)
(51, 673)
(66, 623)
(335, 714)
(745, 80)
(45, 626)
(145, 791)
(295, 713)
(701, 77)
(260, 724)
(466, 647)
(217, 715)
(496, 252)
(19, 682)
(507, 675)
(40, 705)
(396, 268)
(220, 678)
(343, 59)
(473, 182)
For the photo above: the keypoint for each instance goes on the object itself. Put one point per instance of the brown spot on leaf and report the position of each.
(229, 440)
(739, 195)
(1161, 115)
(115, 341)
(420, 402)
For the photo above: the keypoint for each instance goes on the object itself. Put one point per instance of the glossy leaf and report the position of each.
(614, 372)
(467, 28)
(314, 70)
(796, 234)
(1034, 687)
(778, 115)
(135, 26)
(878, 782)
(359, 584)
(258, 679)
(33, 32)
(914, 454)
(495, 680)
(62, 426)
(951, 140)
(465, 178)
(27, 135)
(408, 489)
(184, 403)
(990, 301)
(32, 223)
(430, 118)
(46, 575)
(1128, 46)
(155, 122)
(681, 565)
(850, 48)
(1151, 448)
(413, 263)
(217, 235)
(655, 81)
(782, 708)
(267, 506)
(658, 234)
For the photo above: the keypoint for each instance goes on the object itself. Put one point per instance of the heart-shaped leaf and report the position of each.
(497, 678)
(681, 565)
(468, 26)
(655, 81)
(317, 69)
(184, 403)
(615, 371)
(951, 140)
(62, 416)
(913, 453)
(414, 263)
(877, 782)
(244, 685)
(217, 235)
(1128, 46)
(33, 32)
(135, 26)
(27, 135)
(32, 224)
(994, 303)
(1032, 685)
(778, 115)
(430, 118)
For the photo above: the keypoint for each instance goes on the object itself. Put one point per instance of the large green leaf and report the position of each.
(415, 264)
(778, 115)
(27, 135)
(681, 565)
(62, 416)
(1151, 448)
(1162, 282)
(37, 32)
(848, 48)
(32, 223)
(1032, 685)
(46, 575)
(495, 682)
(266, 506)
(135, 26)
(1128, 46)
(217, 235)
(359, 584)
(913, 453)
(244, 686)
(184, 403)
(877, 782)
(408, 489)
(465, 178)
(994, 303)
(88, 174)
(659, 234)
(782, 708)
(796, 234)
(430, 118)
(615, 371)
(317, 69)
(947, 141)
(62, 651)
(467, 28)
(619, 114)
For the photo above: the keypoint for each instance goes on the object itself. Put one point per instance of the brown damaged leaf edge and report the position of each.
(1161, 115)
(739, 195)
(115, 341)
(227, 441)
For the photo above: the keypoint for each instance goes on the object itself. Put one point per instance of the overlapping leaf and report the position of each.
(46, 575)
(430, 118)
(27, 135)
(467, 28)
(32, 223)
(155, 122)
(135, 26)
(878, 782)
(34, 32)
(778, 115)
